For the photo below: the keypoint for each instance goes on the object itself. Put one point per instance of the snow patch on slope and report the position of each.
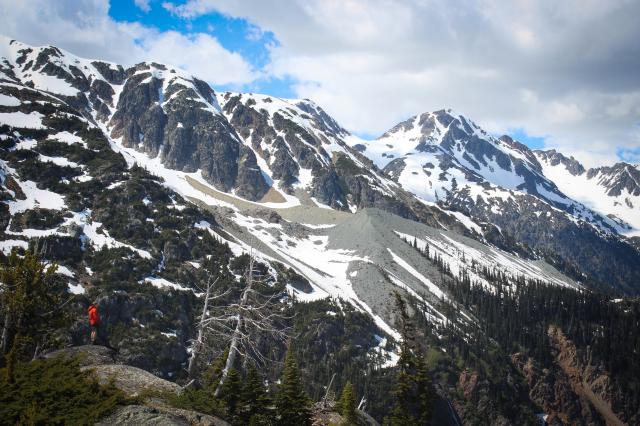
(589, 192)
(18, 119)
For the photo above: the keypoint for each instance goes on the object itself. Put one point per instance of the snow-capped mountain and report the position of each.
(141, 182)
(442, 155)
(299, 146)
(611, 191)
(445, 158)
(275, 174)
(249, 151)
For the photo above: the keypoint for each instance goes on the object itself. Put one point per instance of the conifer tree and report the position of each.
(256, 403)
(30, 302)
(232, 391)
(348, 405)
(404, 389)
(424, 388)
(413, 389)
(292, 402)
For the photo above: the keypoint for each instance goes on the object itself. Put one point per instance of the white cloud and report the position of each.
(143, 5)
(84, 28)
(199, 54)
(564, 70)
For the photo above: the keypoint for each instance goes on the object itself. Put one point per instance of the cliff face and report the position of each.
(572, 391)
(482, 400)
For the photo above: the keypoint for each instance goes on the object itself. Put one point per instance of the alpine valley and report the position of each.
(519, 269)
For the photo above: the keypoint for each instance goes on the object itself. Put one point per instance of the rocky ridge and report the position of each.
(613, 191)
(438, 168)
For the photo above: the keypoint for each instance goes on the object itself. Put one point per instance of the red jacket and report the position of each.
(94, 318)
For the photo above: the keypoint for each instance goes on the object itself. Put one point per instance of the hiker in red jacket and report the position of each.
(94, 322)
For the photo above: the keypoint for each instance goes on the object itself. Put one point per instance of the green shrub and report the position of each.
(56, 391)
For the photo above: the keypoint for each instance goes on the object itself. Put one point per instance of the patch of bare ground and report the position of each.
(570, 363)
(272, 196)
(308, 212)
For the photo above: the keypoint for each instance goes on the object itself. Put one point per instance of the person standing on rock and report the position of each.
(94, 322)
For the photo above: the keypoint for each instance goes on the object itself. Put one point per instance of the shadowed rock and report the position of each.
(87, 355)
(131, 380)
(138, 415)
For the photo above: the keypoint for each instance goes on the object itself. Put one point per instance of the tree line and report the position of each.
(516, 312)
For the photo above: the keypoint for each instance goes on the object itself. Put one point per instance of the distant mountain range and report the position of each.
(437, 168)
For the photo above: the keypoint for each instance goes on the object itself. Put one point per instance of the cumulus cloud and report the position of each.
(566, 71)
(85, 28)
(200, 54)
(144, 5)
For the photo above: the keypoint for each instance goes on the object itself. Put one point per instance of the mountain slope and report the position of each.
(156, 110)
(303, 153)
(288, 153)
(221, 152)
(612, 191)
(445, 158)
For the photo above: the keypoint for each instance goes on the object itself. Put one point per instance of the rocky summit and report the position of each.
(513, 272)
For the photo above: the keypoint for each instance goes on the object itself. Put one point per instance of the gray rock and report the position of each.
(86, 354)
(186, 135)
(113, 76)
(269, 215)
(131, 380)
(554, 158)
(326, 188)
(157, 415)
(192, 417)
(139, 415)
(617, 178)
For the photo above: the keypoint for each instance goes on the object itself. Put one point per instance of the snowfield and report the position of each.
(18, 119)
(594, 194)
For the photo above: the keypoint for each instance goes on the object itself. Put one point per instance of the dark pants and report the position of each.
(101, 337)
(94, 333)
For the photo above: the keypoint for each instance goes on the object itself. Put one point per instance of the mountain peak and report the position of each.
(554, 158)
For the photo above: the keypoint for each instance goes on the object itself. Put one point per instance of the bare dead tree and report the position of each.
(328, 395)
(254, 314)
(237, 326)
(198, 344)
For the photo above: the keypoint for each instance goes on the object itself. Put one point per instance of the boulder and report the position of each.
(139, 415)
(86, 354)
(268, 215)
(132, 380)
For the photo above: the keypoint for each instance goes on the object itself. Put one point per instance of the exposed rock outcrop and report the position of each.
(87, 355)
(185, 130)
(572, 391)
(131, 380)
(104, 365)
(588, 381)
(140, 415)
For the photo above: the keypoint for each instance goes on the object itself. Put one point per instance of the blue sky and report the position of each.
(234, 34)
